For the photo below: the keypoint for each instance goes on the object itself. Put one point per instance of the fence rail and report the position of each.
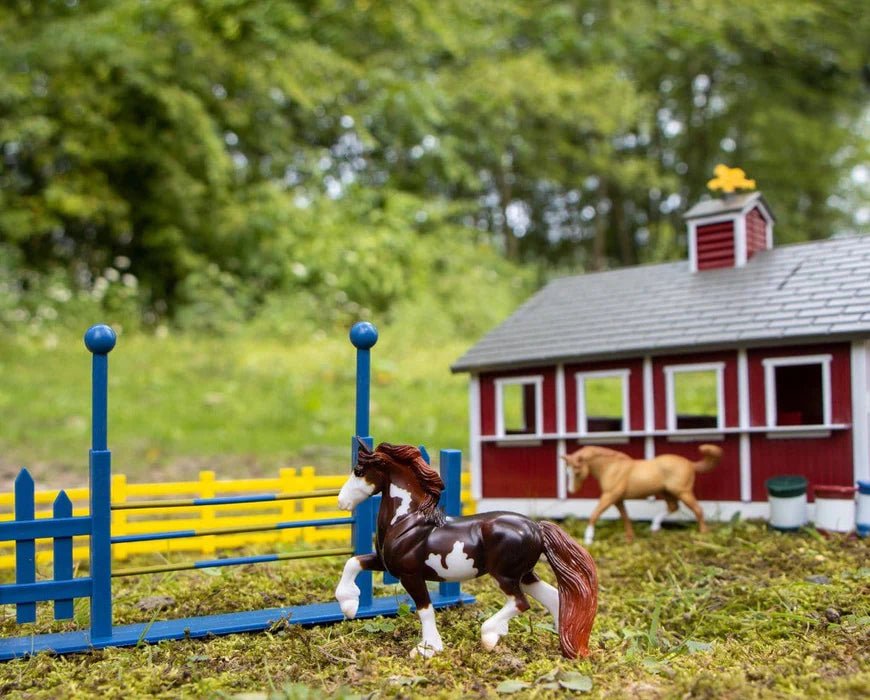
(197, 528)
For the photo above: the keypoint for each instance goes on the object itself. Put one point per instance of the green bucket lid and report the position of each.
(787, 486)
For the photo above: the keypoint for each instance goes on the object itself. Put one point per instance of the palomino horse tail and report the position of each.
(710, 456)
(577, 581)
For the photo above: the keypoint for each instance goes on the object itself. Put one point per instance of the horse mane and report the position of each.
(592, 451)
(429, 480)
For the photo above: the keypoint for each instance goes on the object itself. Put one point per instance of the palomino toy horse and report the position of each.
(669, 476)
(417, 543)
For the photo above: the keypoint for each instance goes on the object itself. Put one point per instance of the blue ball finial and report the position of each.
(100, 339)
(363, 335)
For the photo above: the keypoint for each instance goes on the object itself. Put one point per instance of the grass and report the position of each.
(238, 404)
(741, 612)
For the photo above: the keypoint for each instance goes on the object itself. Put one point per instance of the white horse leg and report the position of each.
(589, 534)
(496, 626)
(431, 642)
(546, 595)
(347, 592)
(606, 500)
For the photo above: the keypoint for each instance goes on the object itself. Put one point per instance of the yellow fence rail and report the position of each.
(153, 520)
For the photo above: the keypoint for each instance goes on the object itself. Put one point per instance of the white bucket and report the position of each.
(835, 508)
(788, 513)
(787, 497)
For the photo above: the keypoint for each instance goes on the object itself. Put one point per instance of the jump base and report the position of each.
(208, 625)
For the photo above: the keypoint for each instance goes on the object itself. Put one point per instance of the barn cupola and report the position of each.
(729, 230)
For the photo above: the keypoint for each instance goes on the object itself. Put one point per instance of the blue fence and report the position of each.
(26, 592)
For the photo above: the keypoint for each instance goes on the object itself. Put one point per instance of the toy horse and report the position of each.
(621, 477)
(416, 543)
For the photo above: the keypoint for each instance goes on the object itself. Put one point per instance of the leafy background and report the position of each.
(238, 179)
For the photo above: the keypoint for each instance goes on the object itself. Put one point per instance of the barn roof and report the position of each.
(726, 205)
(803, 293)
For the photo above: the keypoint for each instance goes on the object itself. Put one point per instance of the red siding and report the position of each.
(841, 377)
(635, 390)
(715, 245)
(820, 460)
(756, 233)
(721, 484)
(729, 383)
(516, 471)
(487, 397)
(519, 472)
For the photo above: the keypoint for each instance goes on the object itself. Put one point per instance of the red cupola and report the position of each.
(728, 231)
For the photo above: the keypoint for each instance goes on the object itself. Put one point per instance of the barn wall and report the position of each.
(729, 383)
(841, 378)
(519, 471)
(530, 470)
(635, 390)
(721, 484)
(756, 233)
(822, 460)
(487, 397)
(715, 245)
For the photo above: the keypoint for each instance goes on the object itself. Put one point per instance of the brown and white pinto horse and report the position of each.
(416, 543)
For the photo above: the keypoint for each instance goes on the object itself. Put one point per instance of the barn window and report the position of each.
(695, 399)
(518, 405)
(602, 402)
(798, 390)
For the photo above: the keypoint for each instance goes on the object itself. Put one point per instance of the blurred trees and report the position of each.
(355, 154)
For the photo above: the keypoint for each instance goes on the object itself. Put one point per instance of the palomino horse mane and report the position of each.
(605, 452)
(430, 481)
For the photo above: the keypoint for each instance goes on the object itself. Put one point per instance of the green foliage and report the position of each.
(343, 157)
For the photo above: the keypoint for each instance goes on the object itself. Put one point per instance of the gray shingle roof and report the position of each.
(727, 204)
(800, 293)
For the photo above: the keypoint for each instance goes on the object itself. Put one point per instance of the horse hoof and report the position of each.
(489, 640)
(427, 651)
(491, 633)
(349, 608)
(348, 600)
(589, 535)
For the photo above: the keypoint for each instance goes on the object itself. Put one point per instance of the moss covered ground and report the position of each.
(741, 612)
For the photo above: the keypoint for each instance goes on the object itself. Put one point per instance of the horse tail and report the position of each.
(577, 581)
(710, 456)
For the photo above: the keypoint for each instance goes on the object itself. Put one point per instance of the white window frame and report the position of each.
(671, 370)
(771, 363)
(538, 381)
(582, 417)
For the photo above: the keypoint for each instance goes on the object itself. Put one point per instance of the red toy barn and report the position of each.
(761, 350)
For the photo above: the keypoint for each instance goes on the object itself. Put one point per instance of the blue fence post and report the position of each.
(25, 550)
(63, 557)
(100, 340)
(451, 474)
(363, 336)
(362, 535)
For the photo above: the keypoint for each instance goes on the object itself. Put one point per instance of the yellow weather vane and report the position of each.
(730, 179)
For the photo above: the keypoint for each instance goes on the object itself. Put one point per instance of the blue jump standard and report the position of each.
(194, 627)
